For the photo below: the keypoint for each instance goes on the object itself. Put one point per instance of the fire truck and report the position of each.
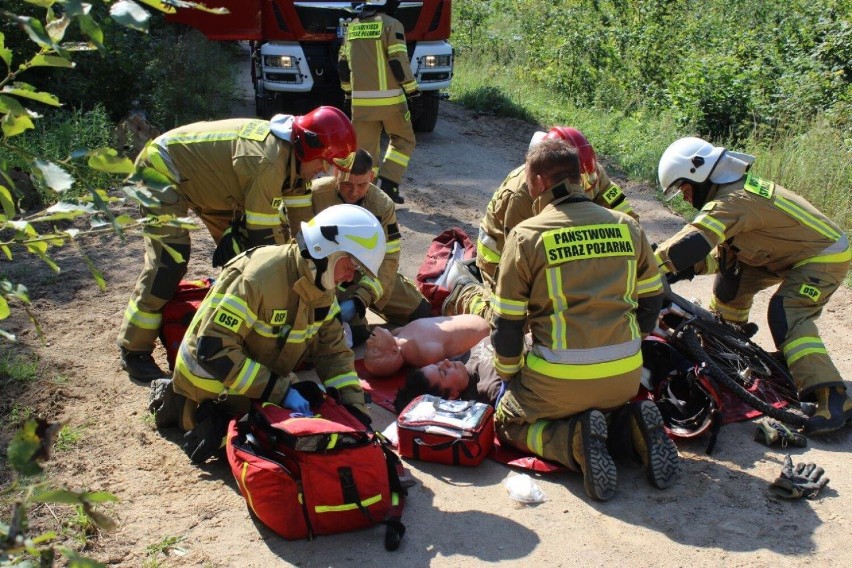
(294, 47)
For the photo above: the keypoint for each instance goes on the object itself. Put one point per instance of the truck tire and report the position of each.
(425, 114)
(264, 106)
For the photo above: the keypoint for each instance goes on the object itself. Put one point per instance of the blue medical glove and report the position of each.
(347, 310)
(294, 401)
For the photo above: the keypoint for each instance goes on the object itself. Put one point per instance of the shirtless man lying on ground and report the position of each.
(422, 342)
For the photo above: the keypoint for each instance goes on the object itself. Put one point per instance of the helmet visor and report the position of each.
(673, 190)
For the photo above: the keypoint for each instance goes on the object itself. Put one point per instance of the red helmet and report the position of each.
(327, 134)
(588, 160)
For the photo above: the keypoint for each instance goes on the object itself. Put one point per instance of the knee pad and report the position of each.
(726, 286)
(424, 310)
(777, 318)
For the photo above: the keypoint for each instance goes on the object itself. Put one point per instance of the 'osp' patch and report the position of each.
(810, 291)
(278, 317)
(227, 320)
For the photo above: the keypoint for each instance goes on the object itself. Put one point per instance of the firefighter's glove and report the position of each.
(771, 432)
(685, 274)
(803, 480)
(352, 307)
(296, 402)
(208, 435)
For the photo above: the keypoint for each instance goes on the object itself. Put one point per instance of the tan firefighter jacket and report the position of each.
(762, 225)
(262, 317)
(232, 165)
(371, 291)
(374, 53)
(511, 204)
(585, 281)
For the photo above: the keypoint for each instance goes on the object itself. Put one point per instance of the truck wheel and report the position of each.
(425, 116)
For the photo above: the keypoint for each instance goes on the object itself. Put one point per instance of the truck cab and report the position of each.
(295, 44)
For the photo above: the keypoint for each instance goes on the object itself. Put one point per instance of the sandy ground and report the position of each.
(719, 513)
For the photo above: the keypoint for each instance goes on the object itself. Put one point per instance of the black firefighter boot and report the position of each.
(140, 365)
(590, 454)
(652, 445)
(391, 188)
(834, 410)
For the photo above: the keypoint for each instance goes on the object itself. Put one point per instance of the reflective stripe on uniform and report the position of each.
(507, 368)
(384, 101)
(187, 366)
(508, 308)
(298, 200)
(838, 252)
(558, 323)
(349, 379)
(263, 219)
(807, 219)
(245, 377)
(392, 246)
(587, 356)
(649, 285)
(733, 315)
(373, 285)
(377, 94)
(535, 435)
(629, 298)
(802, 347)
(713, 225)
(584, 372)
(488, 255)
(396, 156)
(397, 48)
(140, 319)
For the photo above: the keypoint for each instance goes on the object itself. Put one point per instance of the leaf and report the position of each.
(99, 497)
(59, 496)
(176, 256)
(28, 92)
(50, 61)
(96, 274)
(108, 160)
(6, 201)
(93, 31)
(142, 195)
(56, 28)
(130, 15)
(125, 220)
(6, 251)
(31, 445)
(5, 52)
(160, 5)
(34, 28)
(8, 336)
(101, 520)
(4, 308)
(52, 175)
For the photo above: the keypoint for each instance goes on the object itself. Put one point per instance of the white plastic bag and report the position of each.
(522, 488)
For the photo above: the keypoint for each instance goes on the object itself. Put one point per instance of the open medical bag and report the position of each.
(453, 432)
(307, 476)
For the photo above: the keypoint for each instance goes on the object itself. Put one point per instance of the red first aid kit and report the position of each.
(178, 313)
(452, 432)
(306, 476)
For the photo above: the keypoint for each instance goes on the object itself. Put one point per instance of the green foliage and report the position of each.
(16, 368)
(67, 438)
(167, 546)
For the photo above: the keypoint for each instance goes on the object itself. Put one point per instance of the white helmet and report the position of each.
(346, 229)
(695, 160)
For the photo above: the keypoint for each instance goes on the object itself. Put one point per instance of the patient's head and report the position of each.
(446, 379)
(382, 356)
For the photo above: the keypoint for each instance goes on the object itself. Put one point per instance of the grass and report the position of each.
(17, 368)
(166, 546)
(80, 528)
(67, 438)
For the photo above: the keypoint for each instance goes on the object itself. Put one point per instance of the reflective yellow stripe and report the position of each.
(649, 285)
(478, 306)
(198, 137)
(392, 246)
(584, 372)
(624, 207)
(802, 347)
(373, 285)
(249, 498)
(381, 64)
(845, 256)
(662, 265)
(733, 315)
(264, 219)
(711, 224)
(245, 378)
(348, 506)
(342, 381)
(212, 386)
(239, 307)
(332, 441)
(629, 292)
(140, 319)
(508, 368)
(510, 308)
(382, 101)
(558, 323)
(397, 48)
(535, 433)
(394, 499)
(298, 200)
(397, 157)
(806, 218)
(486, 254)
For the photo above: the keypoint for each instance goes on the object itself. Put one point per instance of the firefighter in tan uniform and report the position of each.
(583, 279)
(511, 204)
(756, 234)
(376, 73)
(271, 308)
(222, 170)
(391, 295)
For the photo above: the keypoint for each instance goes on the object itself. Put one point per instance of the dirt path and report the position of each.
(719, 513)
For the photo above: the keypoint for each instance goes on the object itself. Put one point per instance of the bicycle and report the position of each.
(731, 359)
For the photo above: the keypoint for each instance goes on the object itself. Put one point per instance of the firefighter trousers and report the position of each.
(402, 304)
(535, 413)
(395, 120)
(793, 310)
(470, 298)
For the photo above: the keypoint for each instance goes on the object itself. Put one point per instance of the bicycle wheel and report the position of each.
(748, 371)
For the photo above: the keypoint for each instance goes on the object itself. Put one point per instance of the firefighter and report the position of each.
(511, 203)
(756, 234)
(375, 75)
(273, 307)
(391, 295)
(583, 280)
(223, 171)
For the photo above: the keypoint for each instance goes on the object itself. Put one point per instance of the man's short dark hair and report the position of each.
(362, 163)
(554, 160)
(416, 384)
